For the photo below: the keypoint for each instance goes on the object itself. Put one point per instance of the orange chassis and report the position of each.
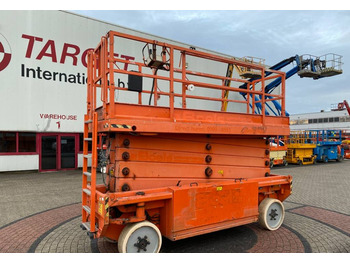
(185, 171)
(212, 206)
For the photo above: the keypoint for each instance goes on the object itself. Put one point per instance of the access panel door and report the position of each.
(207, 208)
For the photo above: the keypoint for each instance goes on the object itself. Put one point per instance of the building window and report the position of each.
(320, 120)
(7, 142)
(26, 142)
(314, 121)
(325, 120)
(336, 119)
(331, 119)
(17, 142)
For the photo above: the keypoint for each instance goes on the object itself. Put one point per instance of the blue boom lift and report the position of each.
(306, 66)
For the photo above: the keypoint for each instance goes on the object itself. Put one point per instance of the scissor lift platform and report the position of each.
(328, 145)
(188, 121)
(176, 171)
(301, 145)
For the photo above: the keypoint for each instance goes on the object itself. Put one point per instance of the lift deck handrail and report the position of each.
(107, 66)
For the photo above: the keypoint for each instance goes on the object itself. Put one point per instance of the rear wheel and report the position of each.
(141, 237)
(340, 158)
(271, 213)
(325, 159)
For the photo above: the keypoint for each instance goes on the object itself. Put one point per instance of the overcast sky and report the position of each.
(272, 35)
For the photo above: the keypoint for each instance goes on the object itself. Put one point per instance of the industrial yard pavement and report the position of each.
(40, 212)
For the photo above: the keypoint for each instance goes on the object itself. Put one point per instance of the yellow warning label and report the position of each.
(100, 208)
(219, 188)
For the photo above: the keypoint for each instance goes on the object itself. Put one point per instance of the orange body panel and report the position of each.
(347, 154)
(159, 120)
(193, 209)
(278, 162)
(209, 204)
(163, 160)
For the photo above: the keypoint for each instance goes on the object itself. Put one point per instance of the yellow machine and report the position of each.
(278, 151)
(244, 72)
(248, 72)
(301, 146)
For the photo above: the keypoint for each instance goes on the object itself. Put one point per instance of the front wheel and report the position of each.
(340, 158)
(141, 237)
(271, 214)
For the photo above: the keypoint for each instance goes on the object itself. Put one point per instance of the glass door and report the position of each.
(58, 151)
(67, 152)
(48, 153)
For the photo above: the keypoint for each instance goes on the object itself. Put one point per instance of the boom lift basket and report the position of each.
(248, 72)
(322, 66)
(333, 65)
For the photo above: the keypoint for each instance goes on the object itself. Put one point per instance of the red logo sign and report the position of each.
(5, 53)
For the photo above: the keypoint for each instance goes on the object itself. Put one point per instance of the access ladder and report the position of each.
(89, 176)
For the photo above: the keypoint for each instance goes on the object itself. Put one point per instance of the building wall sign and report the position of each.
(5, 52)
(43, 63)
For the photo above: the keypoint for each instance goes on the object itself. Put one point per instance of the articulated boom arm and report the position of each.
(306, 66)
(347, 106)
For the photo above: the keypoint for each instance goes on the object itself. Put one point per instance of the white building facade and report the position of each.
(43, 86)
(324, 120)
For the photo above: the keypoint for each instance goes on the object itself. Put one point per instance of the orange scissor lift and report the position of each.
(172, 170)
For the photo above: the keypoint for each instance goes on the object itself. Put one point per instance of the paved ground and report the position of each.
(40, 212)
